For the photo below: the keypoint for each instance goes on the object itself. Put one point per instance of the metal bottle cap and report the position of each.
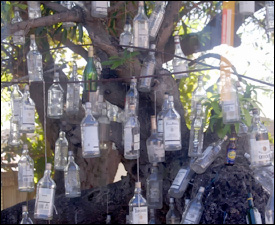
(138, 184)
(70, 153)
(201, 189)
(132, 107)
(225, 137)
(24, 208)
(48, 166)
(91, 52)
(171, 98)
(32, 36)
(153, 122)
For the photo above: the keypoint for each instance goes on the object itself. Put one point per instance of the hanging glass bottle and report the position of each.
(141, 28)
(55, 99)
(246, 7)
(25, 216)
(27, 114)
(73, 93)
(14, 138)
(155, 147)
(34, 9)
(154, 188)
(89, 134)
(173, 215)
(61, 152)
(45, 193)
(179, 64)
(269, 18)
(71, 178)
(148, 69)
(132, 136)
(172, 128)
(99, 9)
(112, 112)
(104, 128)
(69, 6)
(18, 36)
(160, 116)
(127, 37)
(138, 209)
(16, 99)
(269, 208)
(132, 97)
(25, 171)
(34, 62)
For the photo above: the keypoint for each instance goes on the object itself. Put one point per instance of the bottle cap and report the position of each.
(138, 184)
(32, 36)
(132, 107)
(70, 153)
(27, 88)
(153, 122)
(91, 51)
(225, 137)
(24, 208)
(141, 3)
(171, 200)
(171, 98)
(25, 147)
(153, 46)
(88, 105)
(246, 155)
(201, 189)
(177, 38)
(48, 166)
(56, 74)
(100, 98)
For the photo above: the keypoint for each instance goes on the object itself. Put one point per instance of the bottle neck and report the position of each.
(25, 152)
(88, 111)
(133, 85)
(141, 8)
(33, 45)
(132, 113)
(128, 28)
(171, 206)
(47, 174)
(17, 16)
(25, 214)
(26, 94)
(199, 196)
(220, 142)
(74, 73)
(71, 158)
(165, 104)
(137, 191)
(171, 105)
(250, 200)
(256, 119)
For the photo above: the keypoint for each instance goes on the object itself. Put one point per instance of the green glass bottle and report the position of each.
(253, 215)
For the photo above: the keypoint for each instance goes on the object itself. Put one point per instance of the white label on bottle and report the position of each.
(159, 151)
(160, 126)
(140, 215)
(91, 142)
(103, 4)
(172, 132)
(191, 216)
(179, 178)
(16, 107)
(27, 174)
(45, 201)
(229, 106)
(28, 114)
(260, 150)
(39, 64)
(258, 218)
(136, 145)
(127, 139)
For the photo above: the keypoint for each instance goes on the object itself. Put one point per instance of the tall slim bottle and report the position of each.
(18, 36)
(55, 99)
(45, 193)
(161, 114)
(172, 128)
(201, 164)
(34, 9)
(25, 216)
(194, 210)
(89, 134)
(138, 209)
(34, 62)
(141, 28)
(269, 208)
(179, 64)
(61, 152)
(127, 37)
(14, 138)
(16, 99)
(269, 18)
(132, 97)
(99, 9)
(173, 215)
(253, 216)
(69, 6)
(104, 128)
(25, 171)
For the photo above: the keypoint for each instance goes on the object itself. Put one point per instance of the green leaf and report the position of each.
(216, 107)
(247, 117)
(21, 6)
(237, 127)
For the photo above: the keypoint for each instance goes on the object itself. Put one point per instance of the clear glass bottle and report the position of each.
(99, 9)
(201, 164)
(45, 194)
(25, 171)
(161, 115)
(141, 27)
(172, 128)
(253, 216)
(269, 208)
(152, 216)
(196, 133)
(69, 6)
(269, 18)
(132, 135)
(179, 64)
(71, 178)
(148, 69)
(73, 93)
(173, 215)
(104, 128)
(246, 7)
(55, 99)
(34, 62)
(108, 219)
(155, 147)
(194, 209)
(89, 134)
(132, 97)
(18, 36)
(27, 114)
(61, 152)
(138, 209)
(112, 112)
(156, 19)
(127, 37)
(265, 176)
(154, 188)
(14, 138)
(258, 143)
(25, 216)
(16, 99)
(181, 182)
(34, 9)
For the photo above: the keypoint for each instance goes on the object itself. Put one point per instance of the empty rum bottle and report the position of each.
(69, 6)
(14, 138)
(154, 144)
(89, 134)
(194, 210)
(179, 64)
(148, 69)
(196, 133)
(61, 152)
(45, 193)
(99, 9)
(156, 19)
(161, 115)
(269, 208)
(201, 164)
(104, 128)
(253, 216)
(141, 27)
(269, 18)
(127, 37)
(55, 99)
(16, 99)
(27, 114)
(132, 97)
(259, 146)
(132, 135)
(25, 171)
(154, 188)
(34, 62)
(25, 216)
(18, 36)
(138, 209)
(172, 128)
(73, 93)
(34, 9)
(181, 182)
(152, 216)
(71, 178)
(231, 150)
(173, 215)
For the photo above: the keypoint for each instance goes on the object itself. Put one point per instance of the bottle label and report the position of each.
(258, 218)
(127, 139)
(154, 193)
(160, 126)
(72, 181)
(191, 216)
(45, 201)
(260, 150)
(90, 142)
(229, 108)
(27, 174)
(28, 114)
(16, 107)
(172, 132)
(179, 178)
(136, 141)
(140, 215)
(231, 155)
(159, 151)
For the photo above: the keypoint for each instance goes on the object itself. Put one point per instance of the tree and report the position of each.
(104, 35)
